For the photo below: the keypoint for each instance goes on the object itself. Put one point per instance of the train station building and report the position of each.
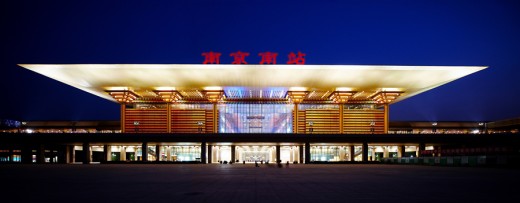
(242, 113)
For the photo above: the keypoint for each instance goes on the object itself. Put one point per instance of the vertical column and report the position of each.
(233, 152)
(365, 152)
(291, 158)
(210, 150)
(385, 152)
(278, 154)
(136, 158)
(215, 118)
(109, 152)
(105, 154)
(168, 153)
(272, 154)
(203, 153)
(352, 152)
(68, 154)
(122, 156)
(421, 148)
(144, 152)
(400, 151)
(169, 117)
(307, 153)
(86, 153)
(373, 154)
(341, 118)
(157, 152)
(40, 157)
(295, 112)
(218, 153)
(387, 118)
(300, 155)
(123, 117)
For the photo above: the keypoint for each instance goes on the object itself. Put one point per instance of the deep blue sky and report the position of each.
(391, 32)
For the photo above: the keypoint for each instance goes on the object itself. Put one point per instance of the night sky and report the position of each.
(360, 32)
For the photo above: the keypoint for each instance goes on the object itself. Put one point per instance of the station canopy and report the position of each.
(229, 82)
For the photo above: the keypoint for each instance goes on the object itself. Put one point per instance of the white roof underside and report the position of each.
(97, 78)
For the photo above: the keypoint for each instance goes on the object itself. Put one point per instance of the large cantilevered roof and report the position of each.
(319, 81)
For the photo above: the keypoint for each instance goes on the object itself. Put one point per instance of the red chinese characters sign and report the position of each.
(266, 57)
(211, 57)
(239, 57)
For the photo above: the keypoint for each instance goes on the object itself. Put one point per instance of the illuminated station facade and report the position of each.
(245, 113)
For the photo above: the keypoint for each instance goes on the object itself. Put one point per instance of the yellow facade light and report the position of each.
(168, 95)
(341, 96)
(296, 96)
(123, 96)
(384, 97)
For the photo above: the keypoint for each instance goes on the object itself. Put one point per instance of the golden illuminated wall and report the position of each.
(363, 120)
(321, 121)
(313, 120)
(145, 121)
(156, 120)
(355, 121)
(192, 121)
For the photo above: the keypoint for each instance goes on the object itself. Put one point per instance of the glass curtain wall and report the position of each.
(255, 118)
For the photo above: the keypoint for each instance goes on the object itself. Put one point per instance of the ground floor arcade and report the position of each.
(203, 152)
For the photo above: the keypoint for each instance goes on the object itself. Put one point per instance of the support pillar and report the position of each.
(168, 117)
(352, 153)
(106, 154)
(168, 153)
(387, 118)
(215, 118)
(385, 152)
(278, 154)
(86, 153)
(421, 148)
(69, 154)
(144, 152)
(40, 158)
(157, 153)
(122, 156)
(365, 152)
(373, 154)
(135, 153)
(295, 112)
(210, 150)
(123, 117)
(233, 153)
(300, 155)
(109, 152)
(307, 153)
(400, 151)
(203, 153)
(341, 118)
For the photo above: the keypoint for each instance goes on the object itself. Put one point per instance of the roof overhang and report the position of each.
(97, 79)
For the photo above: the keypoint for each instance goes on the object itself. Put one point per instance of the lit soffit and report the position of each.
(97, 78)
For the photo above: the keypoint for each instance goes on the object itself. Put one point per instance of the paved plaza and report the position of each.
(246, 183)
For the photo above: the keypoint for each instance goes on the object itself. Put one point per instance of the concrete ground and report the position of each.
(246, 183)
